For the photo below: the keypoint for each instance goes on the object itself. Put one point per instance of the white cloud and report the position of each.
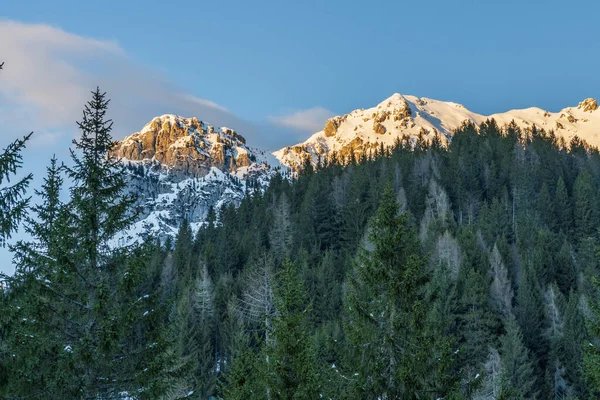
(311, 120)
(41, 68)
(203, 102)
(49, 73)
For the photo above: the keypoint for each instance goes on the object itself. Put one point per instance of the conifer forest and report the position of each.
(423, 270)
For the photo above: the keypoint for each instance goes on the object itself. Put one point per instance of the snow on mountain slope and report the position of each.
(400, 115)
(181, 167)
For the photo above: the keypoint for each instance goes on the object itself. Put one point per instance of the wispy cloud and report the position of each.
(49, 74)
(311, 120)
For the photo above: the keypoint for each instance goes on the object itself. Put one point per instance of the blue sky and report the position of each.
(275, 70)
(271, 57)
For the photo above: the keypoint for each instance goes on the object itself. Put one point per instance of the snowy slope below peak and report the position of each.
(179, 168)
(404, 115)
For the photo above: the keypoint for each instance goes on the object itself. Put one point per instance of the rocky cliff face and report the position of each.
(588, 104)
(181, 167)
(185, 147)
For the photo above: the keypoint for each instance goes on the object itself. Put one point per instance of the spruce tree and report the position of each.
(517, 374)
(562, 207)
(573, 343)
(45, 225)
(393, 350)
(243, 379)
(33, 286)
(94, 306)
(545, 207)
(591, 355)
(584, 213)
(12, 204)
(532, 320)
(292, 371)
(476, 323)
(565, 272)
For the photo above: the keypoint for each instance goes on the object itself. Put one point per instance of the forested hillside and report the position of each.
(417, 271)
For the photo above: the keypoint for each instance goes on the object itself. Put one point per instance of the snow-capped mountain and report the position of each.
(180, 167)
(401, 115)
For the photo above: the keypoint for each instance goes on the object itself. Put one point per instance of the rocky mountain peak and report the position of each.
(406, 118)
(588, 104)
(181, 167)
(186, 147)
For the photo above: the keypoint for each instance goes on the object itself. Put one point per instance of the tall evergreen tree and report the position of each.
(31, 292)
(393, 349)
(573, 342)
(585, 215)
(243, 378)
(92, 299)
(591, 356)
(292, 370)
(12, 204)
(532, 321)
(562, 207)
(518, 379)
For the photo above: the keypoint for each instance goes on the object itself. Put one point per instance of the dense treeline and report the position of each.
(417, 271)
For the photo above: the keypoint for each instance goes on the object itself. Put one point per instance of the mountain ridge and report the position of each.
(406, 115)
(179, 168)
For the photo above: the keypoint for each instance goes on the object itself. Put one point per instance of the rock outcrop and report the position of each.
(588, 104)
(185, 147)
(180, 168)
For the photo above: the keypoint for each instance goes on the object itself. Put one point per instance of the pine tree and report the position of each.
(584, 213)
(32, 286)
(292, 369)
(591, 355)
(517, 376)
(391, 345)
(12, 204)
(532, 320)
(93, 299)
(562, 207)
(573, 342)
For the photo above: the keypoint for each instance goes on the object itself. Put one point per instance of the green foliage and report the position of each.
(84, 312)
(12, 204)
(591, 356)
(518, 379)
(319, 285)
(394, 349)
(292, 371)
